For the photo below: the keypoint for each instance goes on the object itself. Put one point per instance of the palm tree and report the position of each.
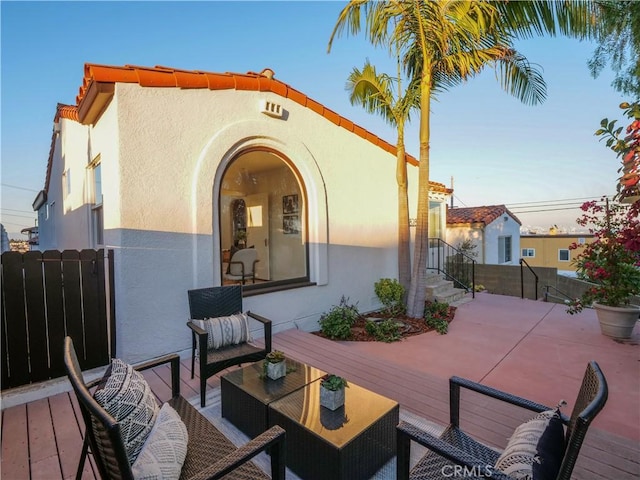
(445, 43)
(375, 92)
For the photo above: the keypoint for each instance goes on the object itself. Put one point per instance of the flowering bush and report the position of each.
(627, 148)
(612, 261)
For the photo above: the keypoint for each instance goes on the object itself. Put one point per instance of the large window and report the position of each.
(435, 223)
(504, 249)
(263, 207)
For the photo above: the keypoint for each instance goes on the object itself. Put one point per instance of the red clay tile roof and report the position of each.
(96, 75)
(484, 215)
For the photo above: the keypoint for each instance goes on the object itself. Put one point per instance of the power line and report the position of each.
(19, 188)
(556, 201)
(14, 210)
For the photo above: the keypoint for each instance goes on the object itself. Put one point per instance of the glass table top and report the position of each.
(362, 408)
(252, 380)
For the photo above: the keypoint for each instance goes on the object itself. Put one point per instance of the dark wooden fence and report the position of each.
(47, 295)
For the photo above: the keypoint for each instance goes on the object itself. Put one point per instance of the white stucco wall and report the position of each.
(64, 219)
(163, 152)
(458, 234)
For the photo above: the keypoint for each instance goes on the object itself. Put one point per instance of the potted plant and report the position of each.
(275, 365)
(332, 391)
(611, 264)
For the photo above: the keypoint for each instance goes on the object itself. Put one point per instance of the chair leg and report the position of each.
(83, 457)
(203, 391)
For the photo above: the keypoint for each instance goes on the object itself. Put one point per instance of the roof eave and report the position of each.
(95, 102)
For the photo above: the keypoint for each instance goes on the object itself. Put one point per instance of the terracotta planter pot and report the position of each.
(617, 322)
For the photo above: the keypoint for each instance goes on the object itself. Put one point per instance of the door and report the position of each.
(258, 231)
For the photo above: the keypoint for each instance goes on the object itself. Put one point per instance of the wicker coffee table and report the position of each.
(246, 394)
(350, 443)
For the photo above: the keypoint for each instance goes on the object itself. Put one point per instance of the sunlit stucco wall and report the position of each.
(163, 152)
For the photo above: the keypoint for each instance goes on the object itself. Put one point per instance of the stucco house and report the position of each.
(175, 169)
(492, 229)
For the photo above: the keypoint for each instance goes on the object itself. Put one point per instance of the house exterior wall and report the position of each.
(547, 248)
(163, 154)
(504, 226)
(64, 218)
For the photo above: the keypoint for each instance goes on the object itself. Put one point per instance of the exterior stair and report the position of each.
(443, 291)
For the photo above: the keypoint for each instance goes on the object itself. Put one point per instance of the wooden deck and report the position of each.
(43, 439)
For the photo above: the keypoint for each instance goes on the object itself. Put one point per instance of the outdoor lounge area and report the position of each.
(531, 349)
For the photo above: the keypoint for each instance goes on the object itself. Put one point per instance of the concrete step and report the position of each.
(439, 287)
(451, 296)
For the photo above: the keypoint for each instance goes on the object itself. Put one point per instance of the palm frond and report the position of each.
(521, 79)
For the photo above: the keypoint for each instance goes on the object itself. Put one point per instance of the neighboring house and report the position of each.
(552, 250)
(32, 233)
(174, 169)
(493, 229)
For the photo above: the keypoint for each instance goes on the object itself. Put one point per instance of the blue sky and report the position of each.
(498, 150)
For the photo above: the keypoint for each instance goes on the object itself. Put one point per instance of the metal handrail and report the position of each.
(453, 263)
(523, 261)
(560, 295)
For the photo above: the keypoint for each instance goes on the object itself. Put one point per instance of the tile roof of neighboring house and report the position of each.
(98, 81)
(484, 215)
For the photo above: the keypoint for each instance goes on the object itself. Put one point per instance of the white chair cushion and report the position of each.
(524, 449)
(224, 331)
(127, 397)
(163, 454)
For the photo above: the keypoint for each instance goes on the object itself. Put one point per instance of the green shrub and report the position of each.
(337, 323)
(436, 314)
(385, 331)
(391, 293)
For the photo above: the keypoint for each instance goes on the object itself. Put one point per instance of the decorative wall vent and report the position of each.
(271, 109)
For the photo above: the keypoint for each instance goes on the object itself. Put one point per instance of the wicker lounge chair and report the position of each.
(455, 448)
(217, 302)
(210, 455)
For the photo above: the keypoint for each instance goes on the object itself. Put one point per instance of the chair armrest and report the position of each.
(196, 329)
(273, 438)
(267, 329)
(448, 451)
(454, 397)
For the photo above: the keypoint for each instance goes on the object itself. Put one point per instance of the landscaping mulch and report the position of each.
(412, 326)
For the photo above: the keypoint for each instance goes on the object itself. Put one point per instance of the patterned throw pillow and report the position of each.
(523, 449)
(163, 454)
(224, 331)
(128, 398)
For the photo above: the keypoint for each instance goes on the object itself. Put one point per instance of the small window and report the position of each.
(96, 200)
(563, 255)
(528, 252)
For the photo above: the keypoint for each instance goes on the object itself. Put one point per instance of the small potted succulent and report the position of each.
(332, 391)
(275, 365)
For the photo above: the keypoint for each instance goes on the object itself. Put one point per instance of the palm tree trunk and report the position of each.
(417, 291)
(404, 252)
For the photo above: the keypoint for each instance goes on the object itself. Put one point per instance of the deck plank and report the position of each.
(15, 443)
(45, 463)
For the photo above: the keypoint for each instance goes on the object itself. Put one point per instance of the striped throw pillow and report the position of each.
(224, 331)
